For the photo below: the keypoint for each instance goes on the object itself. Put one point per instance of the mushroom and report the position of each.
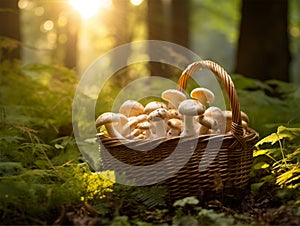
(205, 96)
(108, 119)
(215, 114)
(190, 108)
(145, 127)
(173, 113)
(206, 124)
(131, 108)
(151, 106)
(228, 116)
(123, 120)
(132, 123)
(174, 97)
(157, 120)
(176, 126)
(140, 137)
(134, 133)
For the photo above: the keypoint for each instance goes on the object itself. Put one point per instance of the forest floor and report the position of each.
(264, 209)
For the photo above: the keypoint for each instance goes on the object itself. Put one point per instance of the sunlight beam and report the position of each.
(89, 8)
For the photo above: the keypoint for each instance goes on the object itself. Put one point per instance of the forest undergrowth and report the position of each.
(45, 180)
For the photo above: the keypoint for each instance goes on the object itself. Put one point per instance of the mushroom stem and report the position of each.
(110, 128)
(190, 108)
(111, 121)
(208, 122)
(203, 130)
(158, 128)
(158, 125)
(189, 129)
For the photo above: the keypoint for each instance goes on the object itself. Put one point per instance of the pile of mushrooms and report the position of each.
(177, 116)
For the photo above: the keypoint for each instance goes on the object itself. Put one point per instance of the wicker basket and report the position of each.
(204, 166)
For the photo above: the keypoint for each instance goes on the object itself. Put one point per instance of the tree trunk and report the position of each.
(167, 21)
(263, 51)
(71, 47)
(10, 28)
(156, 18)
(180, 22)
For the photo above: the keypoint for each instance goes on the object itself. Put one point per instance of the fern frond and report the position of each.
(151, 196)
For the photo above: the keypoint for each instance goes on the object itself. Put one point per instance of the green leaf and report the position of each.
(59, 146)
(188, 200)
(288, 132)
(260, 152)
(10, 168)
(256, 186)
(269, 178)
(282, 132)
(152, 196)
(288, 176)
(273, 138)
(261, 165)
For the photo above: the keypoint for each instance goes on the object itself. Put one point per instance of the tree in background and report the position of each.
(167, 21)
(72, 31)
(10, 30)
(67, 24)
(180, 22)
(263, 45)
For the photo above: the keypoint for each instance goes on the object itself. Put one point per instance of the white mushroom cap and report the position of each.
(151, 106)
(122, 120)
(160, 113)
(174, 113)
(144, 125)
(218, 116)
(205, 96)
(191, 107)
(137, 119)
(107, 119)
(131, 108)
(104, 119)
(244, 116)
(173, 96)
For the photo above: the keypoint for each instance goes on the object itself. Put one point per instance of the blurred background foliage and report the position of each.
(45, 47)
(73, 34)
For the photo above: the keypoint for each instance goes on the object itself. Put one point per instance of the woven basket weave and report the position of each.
(189, 166)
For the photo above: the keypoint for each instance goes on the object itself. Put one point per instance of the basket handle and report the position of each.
(222, 75)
